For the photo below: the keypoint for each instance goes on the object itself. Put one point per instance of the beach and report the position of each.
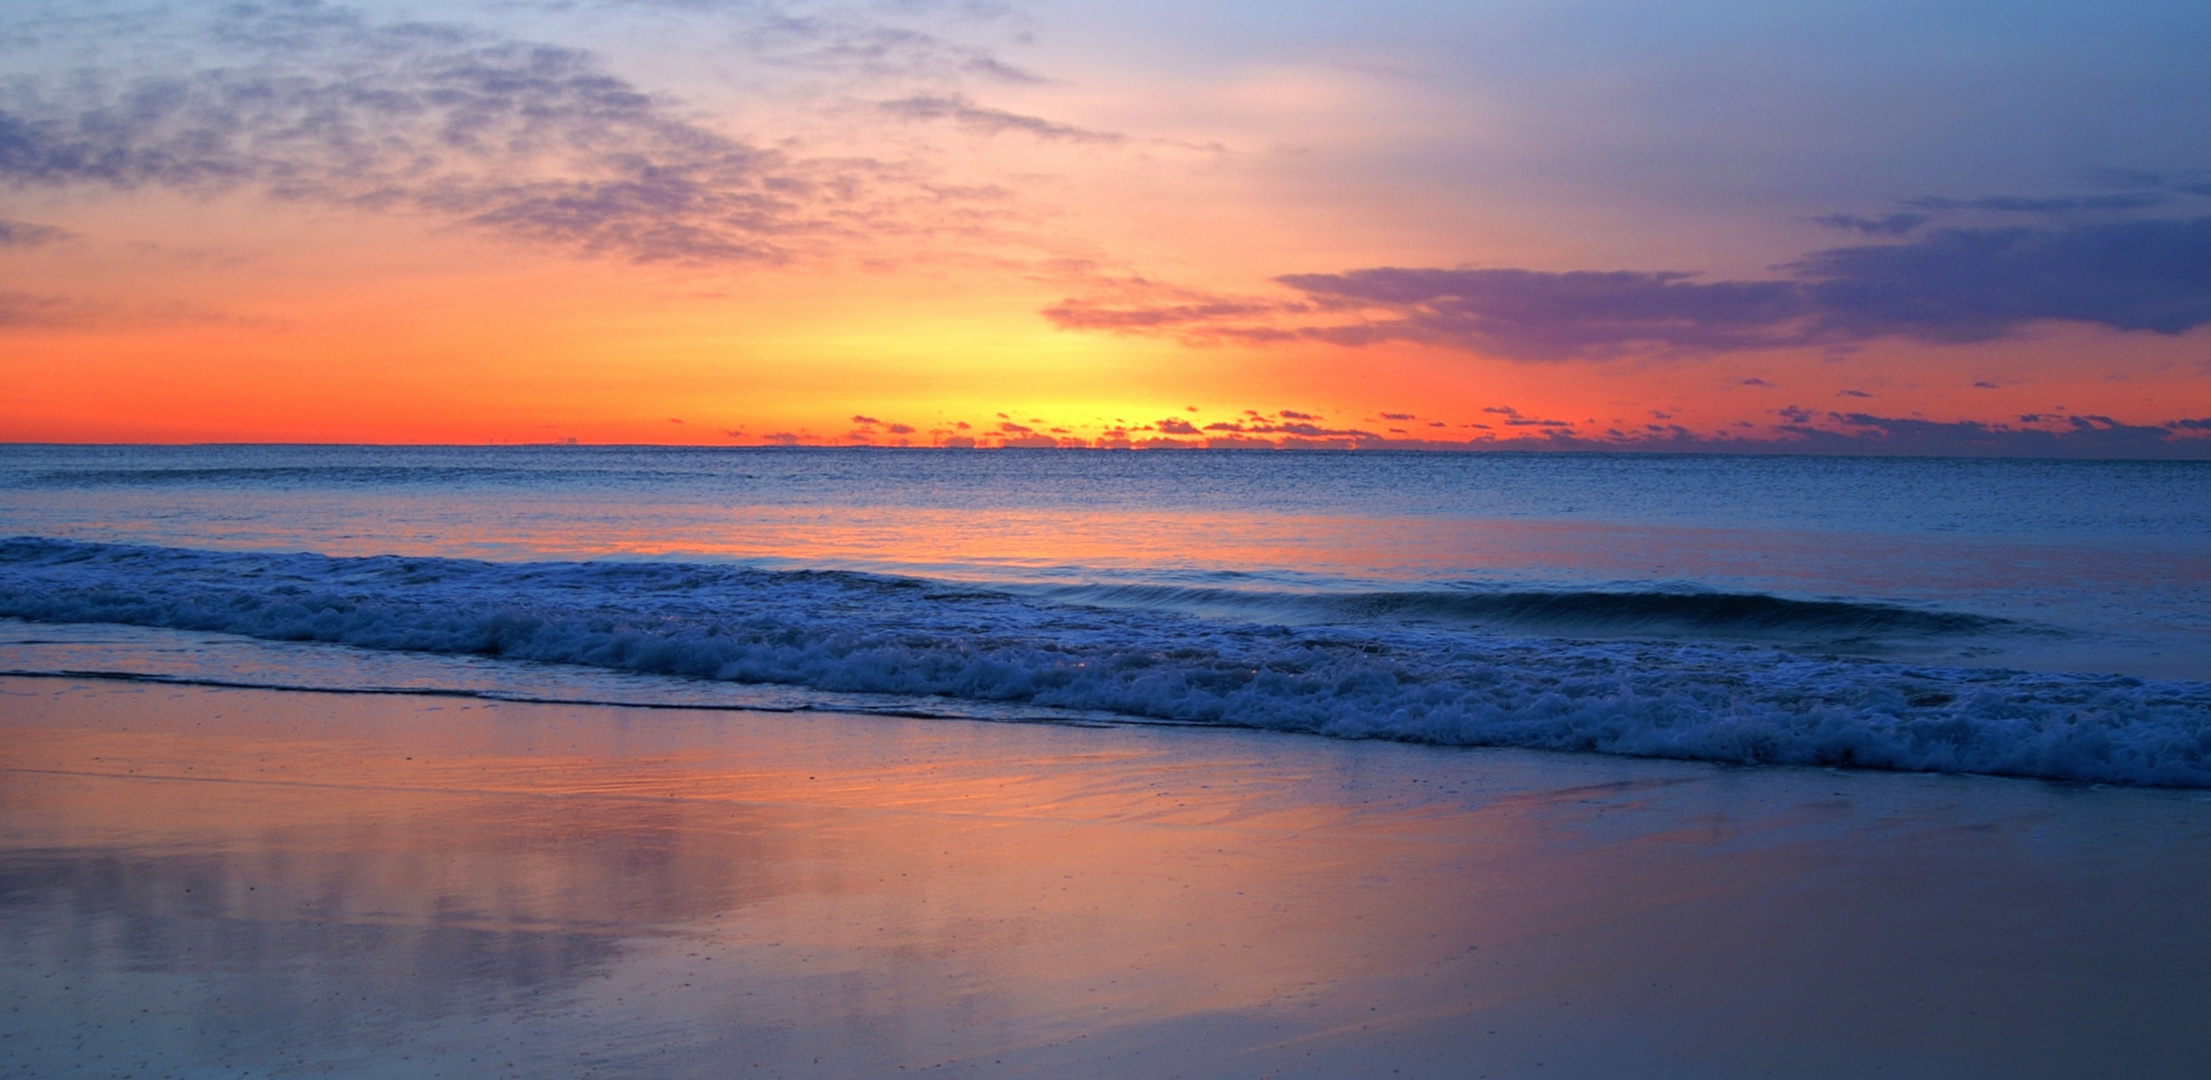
(226, 882)
(670, 539)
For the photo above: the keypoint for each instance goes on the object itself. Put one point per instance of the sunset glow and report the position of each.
(945, 224)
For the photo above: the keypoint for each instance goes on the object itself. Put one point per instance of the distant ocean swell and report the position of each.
(1420, 679)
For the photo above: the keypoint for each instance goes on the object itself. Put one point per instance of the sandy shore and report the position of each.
(199, 882)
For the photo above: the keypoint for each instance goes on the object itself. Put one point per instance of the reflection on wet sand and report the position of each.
(221, 882)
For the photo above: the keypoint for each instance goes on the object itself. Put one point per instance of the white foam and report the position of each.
(850, 633)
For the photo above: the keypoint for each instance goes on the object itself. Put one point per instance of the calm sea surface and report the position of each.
(2052, 618)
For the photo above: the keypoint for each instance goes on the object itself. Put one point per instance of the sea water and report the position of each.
(2041, 618)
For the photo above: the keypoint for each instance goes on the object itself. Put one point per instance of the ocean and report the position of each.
(2030, 618)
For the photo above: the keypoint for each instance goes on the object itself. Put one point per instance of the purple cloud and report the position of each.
(1948, 285)
(25, 234)
(322, 104)
(986, 121)
(1540, 315)
(1968, 285)
(1889, 225)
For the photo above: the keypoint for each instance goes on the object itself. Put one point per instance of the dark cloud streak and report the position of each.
(22, 310)
(987, 121)
(25, 234)
(1945, 286)
(2064, 204)
(1889, 225)
(1857, 434)
(1539, 315)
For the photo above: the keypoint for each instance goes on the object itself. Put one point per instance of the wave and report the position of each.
(1591, 610)
(844, 632)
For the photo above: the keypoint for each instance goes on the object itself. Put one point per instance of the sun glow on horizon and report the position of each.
(316, 222)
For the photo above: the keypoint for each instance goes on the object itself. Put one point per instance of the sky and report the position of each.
(1951, 228)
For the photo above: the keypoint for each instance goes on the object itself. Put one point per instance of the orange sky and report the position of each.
(749, 255)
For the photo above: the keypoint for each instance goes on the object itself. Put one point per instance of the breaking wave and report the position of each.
(1420, 666)
(1587, 610)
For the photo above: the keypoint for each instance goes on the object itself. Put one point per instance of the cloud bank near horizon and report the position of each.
(1791, 430)
(1947, 286)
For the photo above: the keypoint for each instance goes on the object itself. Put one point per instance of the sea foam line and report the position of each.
(853, 633)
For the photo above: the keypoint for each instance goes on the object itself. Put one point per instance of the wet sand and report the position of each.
(202, 882)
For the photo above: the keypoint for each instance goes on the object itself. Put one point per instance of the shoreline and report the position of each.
(384, 882)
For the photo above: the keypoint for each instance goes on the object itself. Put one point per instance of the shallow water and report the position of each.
(2037, 618)
(200, 882)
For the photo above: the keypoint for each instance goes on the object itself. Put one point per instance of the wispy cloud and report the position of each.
(1886, 225)
(310, 102)
(2057, 204)
(25, 234)
(1141, 305)
(30, 311)
(987, 121)
(874, 40)
(33, 310)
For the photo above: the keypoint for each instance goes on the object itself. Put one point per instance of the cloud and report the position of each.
(861, 40)
(987, 121)
(1890, 225)
(24, 234)
(1946, 285)
(2064, 204)
(1797, 431)
(1983, 284)
(1300, 427)
(1138, 305)
(40, 311)
(1540, 315)
(309, 102)
(1514, 418)
(1863, 434)
(21, 310)
(993, 68)
(2080, 436)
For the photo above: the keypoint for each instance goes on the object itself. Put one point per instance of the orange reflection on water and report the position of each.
(1042, 882)
(223, 879)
